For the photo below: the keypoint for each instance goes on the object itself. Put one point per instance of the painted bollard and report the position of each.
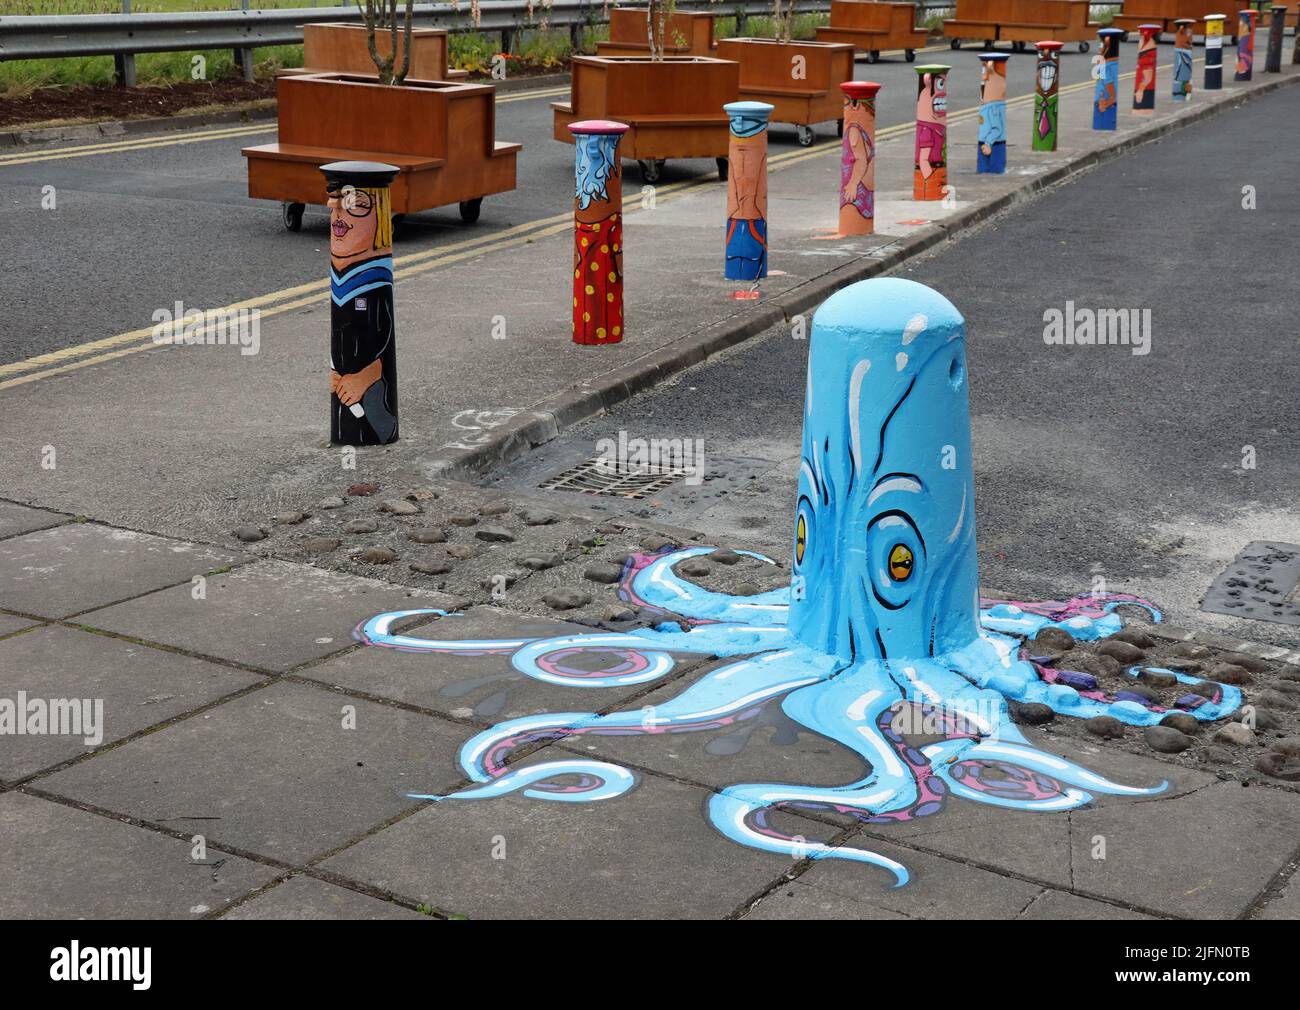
(1183, 59)
(991, 139)
(1246, 21)
(746, 248)
(858, 159)
(1105, 71)
(1214, 51)
(1276, 27)
(597, 232)
(1047, 84)
(363, 337)
(930, 168)
(1144, 82)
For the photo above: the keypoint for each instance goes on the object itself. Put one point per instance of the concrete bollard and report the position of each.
(1144, 81)
(1246, 21)
(1182, 87)
(363, 336)
(885, 511)
(858, 159)
(991, 140)
(1214, 51)
(1276, 29)
(930, 168)
(1047, 101)
(746, 245)
(597, 232)
(1105, 71)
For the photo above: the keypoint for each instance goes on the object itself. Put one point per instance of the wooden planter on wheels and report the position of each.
(1021, 22)
(342, 48)
(767, 74)
(870, 27)
(686, 33)
(439, 134)
(672, 107)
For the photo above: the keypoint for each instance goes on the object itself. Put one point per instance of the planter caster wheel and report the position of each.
(469, 210)
(955, 43)
(652, 169)
(805, 136)
(291, 213)
(1084, 47)
(910, 55)
(723, 168)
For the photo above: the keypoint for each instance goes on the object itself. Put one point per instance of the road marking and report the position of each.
(409, 265)
(127, 145)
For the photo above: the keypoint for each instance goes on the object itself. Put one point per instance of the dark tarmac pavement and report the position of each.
(140, 229)
(1090, 461)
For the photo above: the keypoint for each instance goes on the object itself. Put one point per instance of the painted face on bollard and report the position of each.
(354, 223)
(932, 103)
(1046, 73)
(993, 83)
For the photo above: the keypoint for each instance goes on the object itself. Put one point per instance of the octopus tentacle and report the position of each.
(657, 585)
(721, 697)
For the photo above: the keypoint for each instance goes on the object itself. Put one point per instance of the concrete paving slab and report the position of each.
(485, 689)
(939, 888)
(1206, 855)
(647, 854)
(66, 570)
(273, 615)
(798, 900)
(16, 519)
(1042, 851)
(8, 624)
(1057, 905)
(134, 686)
(309, 898)
(63, 863)
(1286, 905)
(274, 772)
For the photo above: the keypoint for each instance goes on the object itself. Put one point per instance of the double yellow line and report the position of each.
(96, 352)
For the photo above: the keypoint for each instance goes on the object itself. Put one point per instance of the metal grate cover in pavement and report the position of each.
(603, 476)
(1260, 584)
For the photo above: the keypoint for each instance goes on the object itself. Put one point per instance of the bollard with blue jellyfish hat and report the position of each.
(746, 245)
(880, 643)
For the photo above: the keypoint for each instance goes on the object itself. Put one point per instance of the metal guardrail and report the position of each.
(34, 38)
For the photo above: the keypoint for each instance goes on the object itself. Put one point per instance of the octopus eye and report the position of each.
(800, 539)
(900, 563)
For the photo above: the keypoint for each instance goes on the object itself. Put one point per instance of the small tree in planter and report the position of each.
(784, 20)
(381, 15)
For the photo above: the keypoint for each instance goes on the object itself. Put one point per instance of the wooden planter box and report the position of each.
(440, 134)
(342, 48)
(673, 108)
(686, 34)
(1022, 22)
(872, 27)
(766, 75)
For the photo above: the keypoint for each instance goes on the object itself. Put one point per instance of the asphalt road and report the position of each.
(136, 230)
(1089, 460)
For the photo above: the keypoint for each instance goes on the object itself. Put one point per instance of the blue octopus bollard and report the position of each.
(881, 642)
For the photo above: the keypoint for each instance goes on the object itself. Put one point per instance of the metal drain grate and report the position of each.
(1260, 584)
(602, 476)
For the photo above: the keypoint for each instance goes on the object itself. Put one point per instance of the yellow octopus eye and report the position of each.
(900, 563)
(800, 539)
